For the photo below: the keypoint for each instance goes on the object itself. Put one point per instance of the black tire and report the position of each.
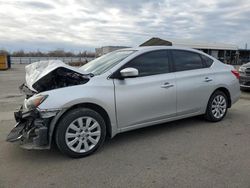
(209, 114)
(65, 122)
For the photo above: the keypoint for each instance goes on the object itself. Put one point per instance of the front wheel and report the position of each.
(80, 132)
(217, 107)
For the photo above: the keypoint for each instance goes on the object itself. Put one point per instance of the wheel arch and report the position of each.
(92, 106)
(226, 92)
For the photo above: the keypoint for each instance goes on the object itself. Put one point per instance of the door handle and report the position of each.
(167, 85)
(207, 79)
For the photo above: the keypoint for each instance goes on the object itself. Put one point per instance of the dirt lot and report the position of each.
(186, 153)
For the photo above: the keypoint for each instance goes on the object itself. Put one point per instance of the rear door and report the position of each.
(194, 81)
(151, 96)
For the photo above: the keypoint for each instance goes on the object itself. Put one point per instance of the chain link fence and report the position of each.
(67, 60)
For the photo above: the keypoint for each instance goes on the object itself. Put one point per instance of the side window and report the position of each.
(208, 61)
(185, 60)
(156, 62)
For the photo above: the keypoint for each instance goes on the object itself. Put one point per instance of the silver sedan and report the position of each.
(121, 91)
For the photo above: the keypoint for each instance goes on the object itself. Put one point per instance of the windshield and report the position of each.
(106, 62)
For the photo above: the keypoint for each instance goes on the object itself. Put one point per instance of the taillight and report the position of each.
(236, 73)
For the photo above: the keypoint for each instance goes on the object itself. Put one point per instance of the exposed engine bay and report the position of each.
(58, 78)
(48, 75)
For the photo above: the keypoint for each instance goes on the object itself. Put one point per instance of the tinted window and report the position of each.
(185, 60)
(208, 61)
(151, 63)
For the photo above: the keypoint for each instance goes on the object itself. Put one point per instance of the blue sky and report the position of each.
(85, 24)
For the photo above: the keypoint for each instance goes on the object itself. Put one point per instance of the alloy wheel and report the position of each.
(219, 106)
(83, 134)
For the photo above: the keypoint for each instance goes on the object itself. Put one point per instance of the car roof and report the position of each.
(152, 48)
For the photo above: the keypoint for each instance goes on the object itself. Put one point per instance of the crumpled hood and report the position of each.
(38, 70)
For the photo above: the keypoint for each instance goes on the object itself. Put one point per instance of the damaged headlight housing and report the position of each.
(34, 101)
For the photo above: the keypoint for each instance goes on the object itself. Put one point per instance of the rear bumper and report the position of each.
(31, 130)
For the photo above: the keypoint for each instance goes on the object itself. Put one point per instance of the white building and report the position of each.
(227, 53)
(211, 48)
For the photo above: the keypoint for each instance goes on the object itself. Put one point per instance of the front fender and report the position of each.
(64, 98)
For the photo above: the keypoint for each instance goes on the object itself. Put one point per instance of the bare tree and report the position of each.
(53, 53)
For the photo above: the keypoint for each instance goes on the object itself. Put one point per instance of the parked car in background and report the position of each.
(121, 91)
(244, 71)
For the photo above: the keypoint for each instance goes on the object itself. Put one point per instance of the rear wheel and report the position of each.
(217, 106)
(80, 132)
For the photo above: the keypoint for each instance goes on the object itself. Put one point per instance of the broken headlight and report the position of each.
(34, 101)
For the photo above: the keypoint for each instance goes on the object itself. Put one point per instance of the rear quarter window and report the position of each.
(208, 61)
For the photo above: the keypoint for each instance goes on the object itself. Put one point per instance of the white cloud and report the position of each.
(78, 24)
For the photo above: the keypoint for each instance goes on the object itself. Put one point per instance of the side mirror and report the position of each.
(129, 72)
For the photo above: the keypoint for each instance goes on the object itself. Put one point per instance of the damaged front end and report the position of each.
(33, 124)
(32, 130)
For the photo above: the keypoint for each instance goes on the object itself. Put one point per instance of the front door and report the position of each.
(150, 97)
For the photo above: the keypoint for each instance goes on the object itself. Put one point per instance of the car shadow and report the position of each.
(42, 156)
(154, 131)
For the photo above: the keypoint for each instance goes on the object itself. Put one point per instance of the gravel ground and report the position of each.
(186, 153)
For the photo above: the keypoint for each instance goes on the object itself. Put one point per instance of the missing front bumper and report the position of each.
(31, 131)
